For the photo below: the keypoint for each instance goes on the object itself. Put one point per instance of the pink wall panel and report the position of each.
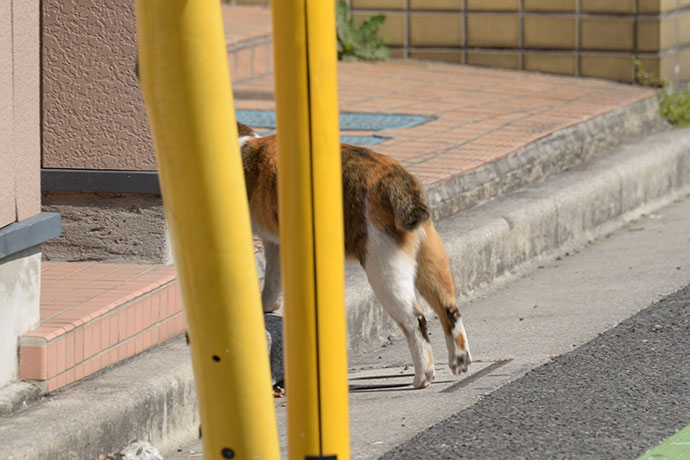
(27, 128)
(19, 111)
(7, 201)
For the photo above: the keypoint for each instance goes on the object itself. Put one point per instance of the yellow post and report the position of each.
(186, 85)
(311, 228)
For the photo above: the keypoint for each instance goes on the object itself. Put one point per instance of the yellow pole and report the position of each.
(311, 228)
(186, 85)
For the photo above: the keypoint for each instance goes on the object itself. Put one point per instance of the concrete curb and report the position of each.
(18, 395)
(152, 396)
(547, 156)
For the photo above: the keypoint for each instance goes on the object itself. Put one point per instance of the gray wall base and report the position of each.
(20, 287)
(117, 228)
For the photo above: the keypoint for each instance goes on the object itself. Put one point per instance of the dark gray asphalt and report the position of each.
(612, 398)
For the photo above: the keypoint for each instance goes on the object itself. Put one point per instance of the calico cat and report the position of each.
(387, 228)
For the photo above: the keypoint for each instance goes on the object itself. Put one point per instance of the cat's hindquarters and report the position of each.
(390, 268)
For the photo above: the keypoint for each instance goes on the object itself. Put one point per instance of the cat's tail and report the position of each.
(407, 200)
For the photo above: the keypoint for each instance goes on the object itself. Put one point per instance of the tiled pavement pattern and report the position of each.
(94, 315)
(481, 114)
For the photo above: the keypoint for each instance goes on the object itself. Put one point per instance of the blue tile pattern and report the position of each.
(348, 121)
(362, 140)
(353, 140)
(379, 121)
(257, 118)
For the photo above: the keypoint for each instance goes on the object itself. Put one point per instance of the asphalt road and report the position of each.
(612, 398)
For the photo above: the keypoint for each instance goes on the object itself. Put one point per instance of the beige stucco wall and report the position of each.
(19, 110)
(94, 117)
(20, 171)
(7, 212)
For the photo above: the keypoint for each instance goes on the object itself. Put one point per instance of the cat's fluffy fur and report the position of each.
(387, 228)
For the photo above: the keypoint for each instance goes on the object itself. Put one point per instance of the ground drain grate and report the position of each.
(350, 121)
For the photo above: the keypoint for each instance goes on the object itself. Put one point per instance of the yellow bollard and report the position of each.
(186, 85)
(311, 228)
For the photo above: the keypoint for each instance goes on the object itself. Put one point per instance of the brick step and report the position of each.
(96, 315)
(248, 36)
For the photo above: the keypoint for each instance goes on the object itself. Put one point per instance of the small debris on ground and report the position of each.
(138, 450)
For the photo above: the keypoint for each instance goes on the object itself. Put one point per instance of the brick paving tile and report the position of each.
(85, 313)
(480, 113)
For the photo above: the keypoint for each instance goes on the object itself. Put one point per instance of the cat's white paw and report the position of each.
(271, 308)
(460, 362)
(425, 379)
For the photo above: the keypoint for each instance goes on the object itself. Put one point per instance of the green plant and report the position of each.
(645, 78)
(359, 42)
(674, 106)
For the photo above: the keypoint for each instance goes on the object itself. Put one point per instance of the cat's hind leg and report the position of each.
(390, 270)
(435, 284)
(270, 293)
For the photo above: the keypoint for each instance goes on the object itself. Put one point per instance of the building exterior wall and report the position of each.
(94, 120)
(26, 108)
(20, 156)
(592, 38)
(7, 198)
(19, 111)
(93, 113)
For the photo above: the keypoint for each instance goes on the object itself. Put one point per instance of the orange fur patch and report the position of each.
(263, 204)
(378, 215)
(409, 243)
(460, 341)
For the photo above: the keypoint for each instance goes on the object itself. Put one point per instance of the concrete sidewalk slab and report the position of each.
(152, 396)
